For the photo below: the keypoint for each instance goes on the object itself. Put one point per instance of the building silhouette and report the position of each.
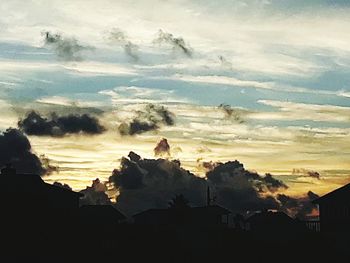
(100, 215)
(334, 210)
(276, 222)
(180, 213)
(34, 216)
(28, 194)
(213, 215)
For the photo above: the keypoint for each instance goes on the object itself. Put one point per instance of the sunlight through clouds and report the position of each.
(263, 82)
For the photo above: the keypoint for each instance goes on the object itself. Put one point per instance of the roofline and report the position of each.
(65, 189)
(320, 199)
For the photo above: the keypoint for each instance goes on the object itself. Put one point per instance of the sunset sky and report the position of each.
(282, 67)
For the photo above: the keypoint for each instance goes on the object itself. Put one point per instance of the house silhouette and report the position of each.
(274, 222)
(101, 216)
(334, 210)
(28, 195)
(212, 215)
(34, 216)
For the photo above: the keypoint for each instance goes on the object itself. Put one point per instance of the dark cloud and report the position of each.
(15, 148)
(136, 127)
(95, 194)
(224, 172)
(301, 207)
(306, 173)
(120, 38)
(241, 190)
(177, 43)
(161, 114)
(271, 183)
(35, 124)
(162, 148)
(134, 156)
(314, 174)
(152, 183)
(148, 120)
(66, 48)
(232, 113)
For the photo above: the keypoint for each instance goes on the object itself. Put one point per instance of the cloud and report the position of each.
(35, 124)
(162, 148)
(16, 149)
(141, 95)
(241, 190)
(254, 84)
(225, 172)
(302, 111)
(305, 172)
(66, 48)
(299, 207)
(94, 68)
(224, 80)
(232, 113)
(205, 166)
(67, 102)
(48, 166)
(225, 63)
(178, 43)
(148, 120)
(136, 127)
(120, 38)
(95, 194)
(152, 183)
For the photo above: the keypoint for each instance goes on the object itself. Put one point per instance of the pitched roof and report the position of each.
(341, 193)
(212, 209)
(29, 183)
(270, 216)
(101, 211)
(156, 215)
(167, 212)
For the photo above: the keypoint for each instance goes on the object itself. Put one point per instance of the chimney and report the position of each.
(8, 170)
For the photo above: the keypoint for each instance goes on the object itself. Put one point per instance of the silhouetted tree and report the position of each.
(179, 202)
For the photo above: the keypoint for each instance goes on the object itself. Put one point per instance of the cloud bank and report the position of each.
(150, 183)
(16, 149)
(35, 124)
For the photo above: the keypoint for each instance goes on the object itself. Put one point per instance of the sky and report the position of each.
(280, 70)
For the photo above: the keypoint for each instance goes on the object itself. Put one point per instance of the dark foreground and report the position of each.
(45, 242)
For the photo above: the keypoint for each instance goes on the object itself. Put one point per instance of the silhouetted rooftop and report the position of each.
(340, 194)
(29, 183)
(102, 211)
(213, 209)
(191, 215)
(270, 217)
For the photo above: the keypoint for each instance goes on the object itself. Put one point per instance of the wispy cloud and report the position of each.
(240, 83)
(143, 95)
(301, 111)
